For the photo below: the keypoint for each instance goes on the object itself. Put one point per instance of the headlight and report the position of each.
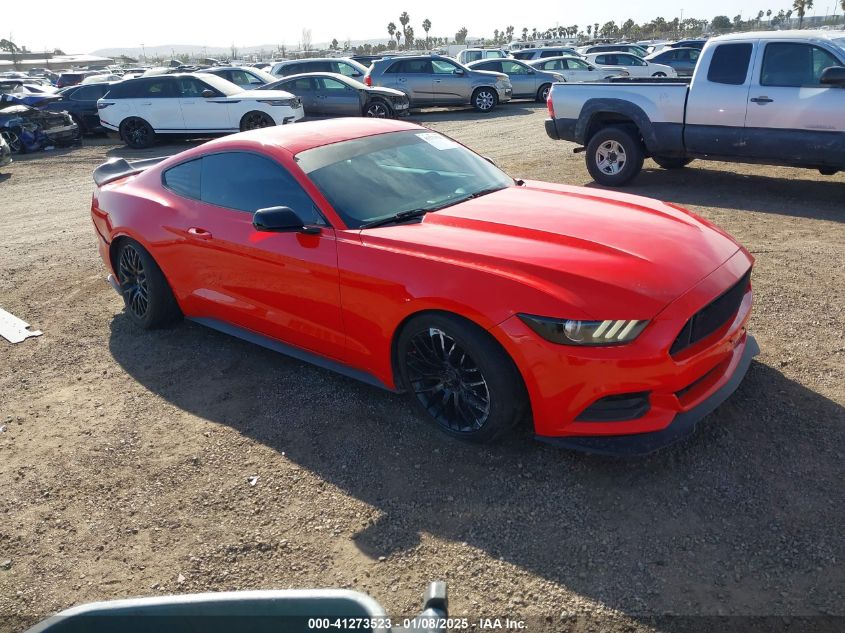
(291, 103)
(571, 332)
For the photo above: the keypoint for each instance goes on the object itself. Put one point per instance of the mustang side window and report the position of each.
(248, 182)
(184, 179)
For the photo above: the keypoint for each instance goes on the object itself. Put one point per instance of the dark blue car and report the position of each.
(81, 102)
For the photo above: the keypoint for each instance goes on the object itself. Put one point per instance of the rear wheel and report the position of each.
(671, 162)
(256, 120)
(378, 109)
(543, 92)
(484, 99)
(614, 156)
(146, 294)
(659, 74)
(460, 377)
(137, 133)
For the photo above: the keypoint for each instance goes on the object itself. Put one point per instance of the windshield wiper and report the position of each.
(396, 217)
(418, 213)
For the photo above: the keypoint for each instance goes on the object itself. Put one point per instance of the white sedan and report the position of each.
(577, 69)
(193, 104)
(636, 66)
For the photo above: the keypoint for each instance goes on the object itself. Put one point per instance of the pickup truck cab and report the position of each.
(773, 98)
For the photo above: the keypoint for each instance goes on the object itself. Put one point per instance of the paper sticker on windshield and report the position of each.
(438, 141)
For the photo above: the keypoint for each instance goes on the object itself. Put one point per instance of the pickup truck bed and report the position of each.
(773, 98)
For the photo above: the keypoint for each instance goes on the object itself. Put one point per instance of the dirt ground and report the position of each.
(126, 456)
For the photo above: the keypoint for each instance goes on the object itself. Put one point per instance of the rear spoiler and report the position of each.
(117, 168)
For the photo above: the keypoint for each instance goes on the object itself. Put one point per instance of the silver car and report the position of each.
(683, 60)
(5, 152)
(243, 76)
(436, 80)
(339, 65)
(527, 82)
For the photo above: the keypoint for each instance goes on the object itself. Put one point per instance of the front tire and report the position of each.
(460, 378)
(659, 74)
(543, 92)
(14, 141)
(614, 156)
(671, 162)
(256, 120)
(484, 99)
(146, 294)
(137, 133)
(378, 109)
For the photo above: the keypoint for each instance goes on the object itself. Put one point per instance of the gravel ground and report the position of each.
(126, 457)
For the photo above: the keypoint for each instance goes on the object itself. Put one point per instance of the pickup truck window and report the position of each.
(729, 64)
(792, 64)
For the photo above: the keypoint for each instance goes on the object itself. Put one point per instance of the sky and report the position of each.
(160, 22)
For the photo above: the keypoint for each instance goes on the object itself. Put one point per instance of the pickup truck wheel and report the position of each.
(614, 156)
(671, 162)
(484, 99)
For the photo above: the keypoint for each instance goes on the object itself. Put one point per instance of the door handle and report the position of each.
(401, 80)
(198, 232)
(761, 100)
(146, 103)
(437, 81)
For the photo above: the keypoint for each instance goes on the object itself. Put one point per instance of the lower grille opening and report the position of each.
(618, 408)
(712, 316)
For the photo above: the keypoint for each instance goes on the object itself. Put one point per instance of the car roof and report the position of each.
(315, 74)
(308, 135)
(212, 69)
(780, 35)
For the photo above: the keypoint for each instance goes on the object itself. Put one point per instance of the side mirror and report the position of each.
(459, 71)
(490, 160)
(207, 94)
(281, 220)
(530, 72)
(833, 76)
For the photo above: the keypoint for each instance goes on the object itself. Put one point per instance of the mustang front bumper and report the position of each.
(640, 396)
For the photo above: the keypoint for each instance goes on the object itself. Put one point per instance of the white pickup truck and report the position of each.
(773, 98)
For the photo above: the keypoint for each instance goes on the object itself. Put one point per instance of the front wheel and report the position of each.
(671, 162)
(255, 121)
(137, 133)
(659, 74)
(378, 109)
(460, 377)
(146, 294)
(484, 99)
(614, 156)
(543, 92)
(13, 140)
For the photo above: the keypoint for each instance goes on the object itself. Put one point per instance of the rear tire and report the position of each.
(256, 120)
(378, 109)
(543, 92)
(484, 99)
(671, 162)
(659, 74)
(614, 156)
(146, 294)
(460, 377)
(137, 133)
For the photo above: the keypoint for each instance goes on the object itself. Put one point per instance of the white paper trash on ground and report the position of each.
(13, 329)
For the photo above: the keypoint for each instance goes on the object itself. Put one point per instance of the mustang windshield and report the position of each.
(376, 177)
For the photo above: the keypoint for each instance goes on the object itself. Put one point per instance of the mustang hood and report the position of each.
(617, 250)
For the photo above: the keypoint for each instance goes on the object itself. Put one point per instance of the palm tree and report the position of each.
(801, 7)
(391, 29)
(842, 5)
(404, 19)
(589, 29)
(769, 15)
(426, 27)
(596, 29)
(398, 36)
(524, 33)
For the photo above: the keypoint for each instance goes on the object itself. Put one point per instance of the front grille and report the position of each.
(625, 406)
(712, 316)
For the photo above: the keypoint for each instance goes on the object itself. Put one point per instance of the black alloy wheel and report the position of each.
(133, 282)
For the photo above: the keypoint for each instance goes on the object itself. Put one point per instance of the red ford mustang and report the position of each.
(394, 254)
